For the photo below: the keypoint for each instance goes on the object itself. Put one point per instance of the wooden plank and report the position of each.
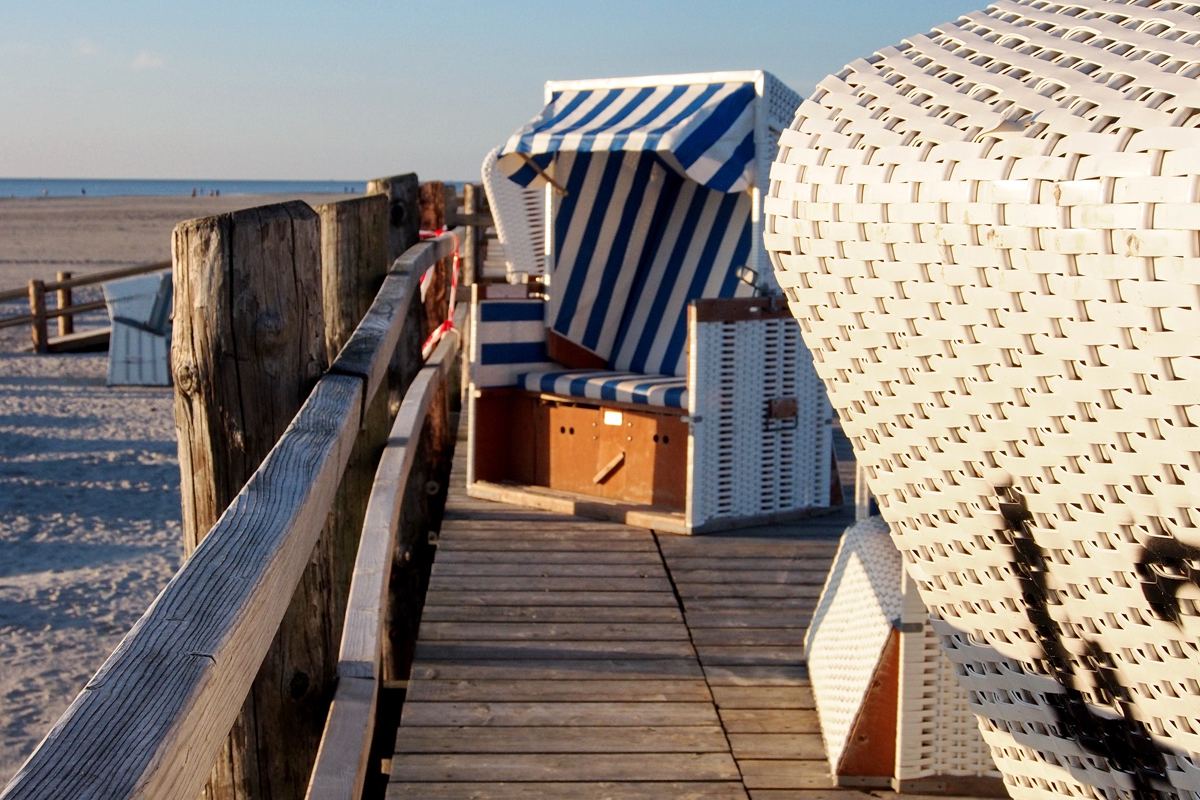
(483, 583)
(341, 767)
(785, 774)
(504, 715)
(551, 631)
(572, 790)
(534, 569)
(153, 719)
(821, 794)
(560, 691)
(663, 739)
(680, 563)
(740, 547)
(771, 637)
(746, 618)
(763, 697)
(739, 720)
(404, 215)
(471, 598)
(483, 531)
(718, 603)
(690, 591)
(484, 649)
(729, 654)
(549, 545)
(580, 557)
(558, 669)
(747, 576)
(777, 745)
(581, 614)
(560, 767)
(757, 676)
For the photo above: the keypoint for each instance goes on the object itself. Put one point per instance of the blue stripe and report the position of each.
(700, 277)
(512, 353)
(659, 109)
(607, 100)
(718, 123)
(616, 119)
(674, 396)
(741, 255)
(735, 167)
(518, 311)
(591, 232)
(526, 143)
(667, 280)
(662, 215)
(691, 108)
(618, 253)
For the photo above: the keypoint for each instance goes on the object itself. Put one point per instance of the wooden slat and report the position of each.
(781, 774)
(549, 545)
(475, 598)
(763, 697)
(793, 637)
(747, 618)
(754, 590)
(483, 648)
(569, 790)
(152, 720)
(547, 631)
(558, 767)
(558, 669)
(757, 675)
(777, 745)
(770, 721)
(662, 739)
(602, 583)
(588, 557)
(560, 691)
(539, 570)
(557, 714)
(736, 654)
(580, 614)
(748, 576)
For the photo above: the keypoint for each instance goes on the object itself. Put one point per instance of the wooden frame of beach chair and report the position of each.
(989, 234)
(729, 427)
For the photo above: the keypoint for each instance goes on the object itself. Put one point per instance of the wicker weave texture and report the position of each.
(745, 464)
(519, 216)
(990, 236)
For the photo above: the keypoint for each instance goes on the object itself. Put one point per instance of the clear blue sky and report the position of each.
(342, 91)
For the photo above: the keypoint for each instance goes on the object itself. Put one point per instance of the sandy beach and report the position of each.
(89, 479)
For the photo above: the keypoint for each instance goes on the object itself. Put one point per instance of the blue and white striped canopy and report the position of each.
(705, 131)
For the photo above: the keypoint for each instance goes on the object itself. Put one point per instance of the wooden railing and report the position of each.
(153, 720)
(66, 310)
(342, 761)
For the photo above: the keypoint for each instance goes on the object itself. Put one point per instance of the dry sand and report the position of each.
(89, 479)
(40, 236)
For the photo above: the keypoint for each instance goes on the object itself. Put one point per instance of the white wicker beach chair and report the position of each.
(518, 213)
(989, 234)
(659, 335)
(140, 343)
(892, 712)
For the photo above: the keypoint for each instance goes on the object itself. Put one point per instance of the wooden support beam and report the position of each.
(66, 323)
(249, 345)
(37, 311)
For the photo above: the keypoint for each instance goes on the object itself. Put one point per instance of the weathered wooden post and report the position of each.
(354, 262)
(474, 203)
(66, 322)
(404, 224)
(37, 309)
(248, 346)
(437, 292)
(404, 220)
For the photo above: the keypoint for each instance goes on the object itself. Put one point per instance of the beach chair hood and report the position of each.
(702, 126)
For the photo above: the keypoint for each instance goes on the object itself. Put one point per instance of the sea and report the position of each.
(90, 187)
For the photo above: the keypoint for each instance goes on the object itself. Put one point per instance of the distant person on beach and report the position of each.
(83, 191)
(193, 191)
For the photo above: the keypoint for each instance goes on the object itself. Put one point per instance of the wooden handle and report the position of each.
(609, 468)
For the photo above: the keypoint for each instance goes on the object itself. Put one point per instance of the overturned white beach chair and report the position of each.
(990, 236)
(660, 380)
(140, 344)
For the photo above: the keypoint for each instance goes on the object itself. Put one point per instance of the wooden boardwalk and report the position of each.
(565, 658)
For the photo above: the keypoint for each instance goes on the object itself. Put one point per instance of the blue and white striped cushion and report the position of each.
(511, 339)
(666, 391)
(635, 244)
